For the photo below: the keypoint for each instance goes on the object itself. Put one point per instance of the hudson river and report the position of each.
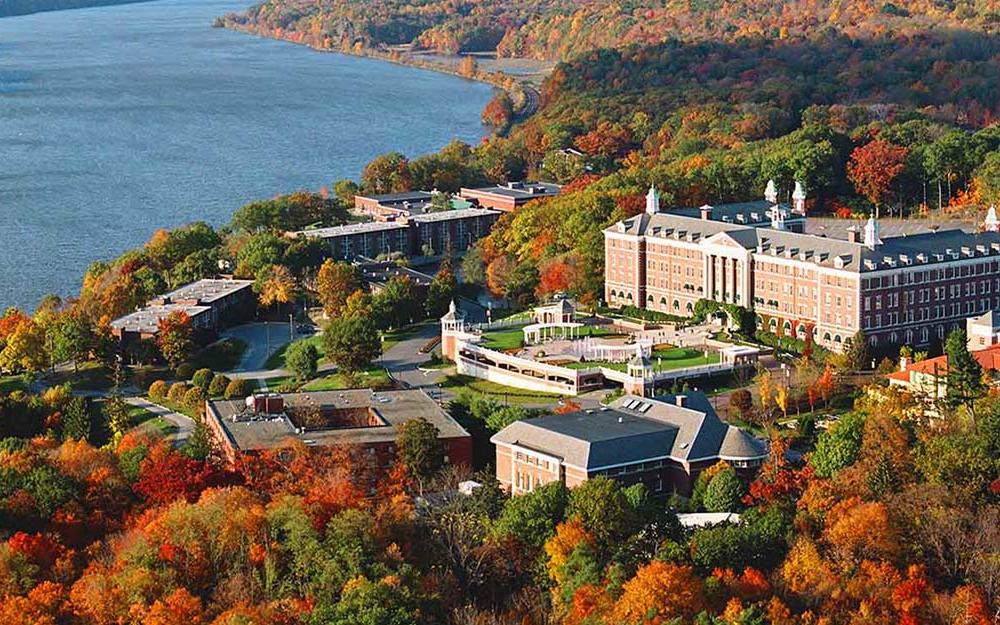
(117, 121)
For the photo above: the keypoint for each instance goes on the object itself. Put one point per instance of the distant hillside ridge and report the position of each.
(562, 29)
(10, 8)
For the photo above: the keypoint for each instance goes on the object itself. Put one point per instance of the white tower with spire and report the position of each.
(771, 192)
(799, 199)
(872, 239)
(992, 223)
(652, 201)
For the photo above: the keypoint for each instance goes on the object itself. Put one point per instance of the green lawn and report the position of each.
(504, 339)
(463, 384)
(222, 355)
(10, 383)
(277, 359)
(375, 377)
(392, 337)
(90, 376)
(673, 358)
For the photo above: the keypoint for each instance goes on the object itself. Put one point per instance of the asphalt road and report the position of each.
(184, 424)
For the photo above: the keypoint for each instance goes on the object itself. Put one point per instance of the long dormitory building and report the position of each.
(899, 290)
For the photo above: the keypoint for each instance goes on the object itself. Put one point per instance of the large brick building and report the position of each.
(899, 290)
(362, 418)
(663, 443)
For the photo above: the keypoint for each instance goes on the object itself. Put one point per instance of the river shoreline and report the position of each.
(515, 76)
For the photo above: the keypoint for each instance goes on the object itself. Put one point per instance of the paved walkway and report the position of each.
(184, 424)
(262, 340)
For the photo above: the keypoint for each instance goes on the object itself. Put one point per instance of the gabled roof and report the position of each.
(988, 359)
(635, 429)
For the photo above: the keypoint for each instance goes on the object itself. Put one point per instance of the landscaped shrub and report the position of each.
(237, 388)
(218, 385)
(176, 393)
(194, 397)
(158, 390)
(202, 378)
(184, 371)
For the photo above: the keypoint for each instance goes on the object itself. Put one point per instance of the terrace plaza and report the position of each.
(362, 418)
(904, 289)
(555, 349)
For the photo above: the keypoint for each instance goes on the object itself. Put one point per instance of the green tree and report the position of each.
(856, 354)
(352, 343)
(301, 358)
(473, 267)
(237, 388)
(965, 375)
(505, 415)
(218, 385)
(419, 449)
(70, 338)
(532, 517)
(440, 293)
(76, 420)
(724, 492)
(838, 447)
(397, 302)
(290, 212)
(605, 511)
(198, 445)
(202, 378)
(118, 416)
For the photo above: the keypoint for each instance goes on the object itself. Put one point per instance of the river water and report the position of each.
(117, 121)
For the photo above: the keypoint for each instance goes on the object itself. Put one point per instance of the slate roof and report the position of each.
(899, 251)
(634, 429)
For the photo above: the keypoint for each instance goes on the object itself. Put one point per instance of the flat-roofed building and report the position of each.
(906, 289)
(663, 443)
(212, 304)
(510, 196)
(425, 234)
(388, 206)
(366, 419)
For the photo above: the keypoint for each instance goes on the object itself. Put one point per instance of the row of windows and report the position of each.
(930, 275)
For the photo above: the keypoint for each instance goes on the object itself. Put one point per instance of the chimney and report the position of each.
(853, 235)
(903, 363)
(706, 212)
(621, 419)
(680, 400)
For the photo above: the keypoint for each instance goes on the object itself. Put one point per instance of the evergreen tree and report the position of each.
(116, 412)
(965, 376)
(76, 420)
(724, 492)
(856, 354)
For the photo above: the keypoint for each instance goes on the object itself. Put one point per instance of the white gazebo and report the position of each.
(556, 320)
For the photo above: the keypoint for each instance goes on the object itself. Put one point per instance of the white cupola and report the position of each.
(771, 192)
(652, 201)
(799, 198)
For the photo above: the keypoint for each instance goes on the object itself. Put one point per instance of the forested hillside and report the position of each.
(9, 8)
(561, 29)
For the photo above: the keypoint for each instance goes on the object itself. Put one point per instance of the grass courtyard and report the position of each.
(513, 338)
(474, 387)
(662, 360)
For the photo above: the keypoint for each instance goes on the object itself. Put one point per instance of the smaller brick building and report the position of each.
(663, 443)
(362, 418)
(511, 196)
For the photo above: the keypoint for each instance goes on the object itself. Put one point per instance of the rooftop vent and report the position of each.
(680, 400)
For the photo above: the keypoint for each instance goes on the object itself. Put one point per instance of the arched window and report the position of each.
(650, 298)
(800, 331)
(773, 324)
(613, 294)
(837, 339)
(663, 301)
(909, 337)
(925, 335)
(629, 297)
(787, 326)
(893, 338)
(826, 336)
(677, 305)
(940, 332)
(690, 308)
(873, 340)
